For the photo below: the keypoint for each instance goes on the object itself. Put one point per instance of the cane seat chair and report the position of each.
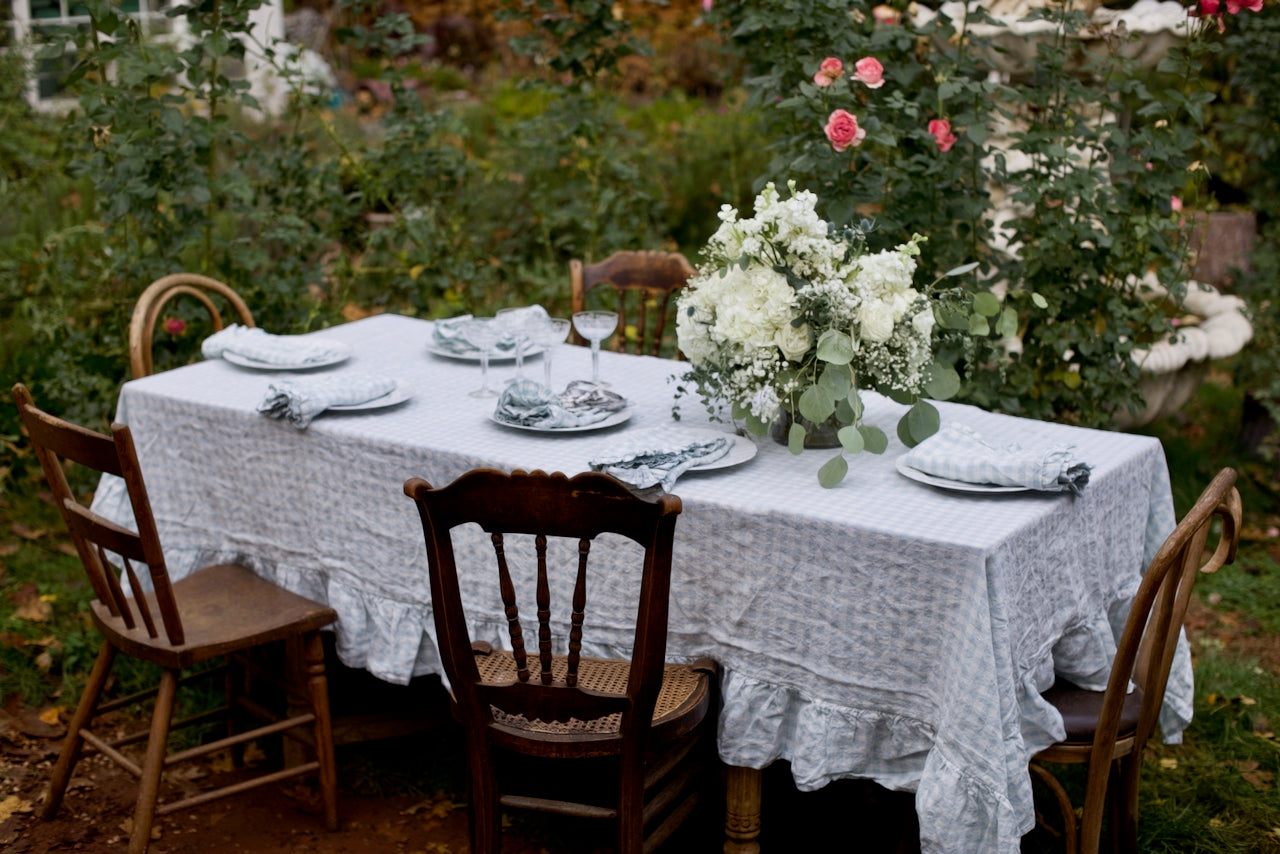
(146, 312)
(653, 277)
(654, 720)
(1107, 730)
(216, 611)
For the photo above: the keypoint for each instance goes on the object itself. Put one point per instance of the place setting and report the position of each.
(959, 459)
(301, 398)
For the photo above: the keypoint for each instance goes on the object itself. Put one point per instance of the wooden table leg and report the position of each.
(742, 811)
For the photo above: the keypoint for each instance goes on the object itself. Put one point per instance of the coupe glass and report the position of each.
(483, 334)
(549, 335)
(595, 326)
(518, 326)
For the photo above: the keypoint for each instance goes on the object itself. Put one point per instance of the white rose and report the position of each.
(793, 342)
(876, 319)
(923, 321)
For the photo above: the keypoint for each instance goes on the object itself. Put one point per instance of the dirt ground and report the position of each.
(397, 796)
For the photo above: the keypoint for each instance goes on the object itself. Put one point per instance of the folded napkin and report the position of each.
(287, 351)
(957, 452)
(302, 400)
(659, 456)
(450, 334)
(531, 404)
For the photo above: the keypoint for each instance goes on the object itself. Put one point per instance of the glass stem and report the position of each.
(595, 360)
(484, 371)
(546, 366)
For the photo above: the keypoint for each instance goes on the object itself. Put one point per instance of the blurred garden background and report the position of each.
(432, 158)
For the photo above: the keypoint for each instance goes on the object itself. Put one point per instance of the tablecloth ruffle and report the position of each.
(760, 720)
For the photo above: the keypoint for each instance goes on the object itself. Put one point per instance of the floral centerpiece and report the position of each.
(790, 318)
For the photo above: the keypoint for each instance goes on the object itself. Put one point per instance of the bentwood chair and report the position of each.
(1108, 729)
(216, 611)
(146, 312)
(653, 721)
(652, 276)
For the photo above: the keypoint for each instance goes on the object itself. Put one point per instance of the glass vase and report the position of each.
(821, 435)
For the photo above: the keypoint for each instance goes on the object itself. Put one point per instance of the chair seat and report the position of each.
(682, 702)
(225, 608)
(1081, 709)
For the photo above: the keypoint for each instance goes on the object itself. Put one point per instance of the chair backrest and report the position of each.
(653, 276)
(146, 313)
(1145, 651)
(547, 505)
(54, 441)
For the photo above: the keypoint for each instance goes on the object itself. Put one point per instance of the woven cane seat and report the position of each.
(683, 692)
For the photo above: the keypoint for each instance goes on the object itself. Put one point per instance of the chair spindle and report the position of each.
(579, 608)
(513, 613)
(544, 611)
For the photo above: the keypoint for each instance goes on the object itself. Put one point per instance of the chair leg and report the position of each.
(153, 765)
(318, 690)
(486, 805)
(71, 744)
(1125, 815)
(631, 805)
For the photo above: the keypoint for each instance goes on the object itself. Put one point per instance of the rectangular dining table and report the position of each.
(883, 629)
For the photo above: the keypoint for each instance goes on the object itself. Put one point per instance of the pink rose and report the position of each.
(829, 72)
(886, 15)
(1175, 203)
(706, 5)
(940, 129)
(843, 131)
(175, 325)
(869, 72)
(1209, 8)
(1234, 6)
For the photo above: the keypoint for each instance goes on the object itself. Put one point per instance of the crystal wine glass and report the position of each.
(483, 334)
(550, 334)
(515, 322)
(595, 326)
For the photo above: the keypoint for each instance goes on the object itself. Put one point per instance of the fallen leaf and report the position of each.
(1215, 598)
(44, 661)
(1245, 765)
(7, 549)
(1247, 701)
(1215, 822)
(1261, 780)
(67, 547)
(351, 311)
(27, 532)
(12, 805)
(1169, 764)
(30, 605)
(51, 715)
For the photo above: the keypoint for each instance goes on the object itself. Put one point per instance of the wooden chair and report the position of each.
(1108, 729)
(654, 719)
(216, 611)
(146, 313)
(653, 276)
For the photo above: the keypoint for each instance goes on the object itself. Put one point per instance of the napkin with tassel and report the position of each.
(300, 400)
(958, 452)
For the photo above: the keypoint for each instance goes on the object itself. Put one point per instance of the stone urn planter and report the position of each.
(1214, 327)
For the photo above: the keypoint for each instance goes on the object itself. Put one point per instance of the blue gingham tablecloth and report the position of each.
(883, 629)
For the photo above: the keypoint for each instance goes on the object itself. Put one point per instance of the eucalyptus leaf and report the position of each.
(873, 438)
(943, 381)
(851, 439)
(904, 433)
(816, 404)
(833, 471)
(963, 268)
(923, 420)
(795, 438)
(836, 381)
(986, 303)
(978, 325)
(835, 347)
(1007, 326)
(1040, 302)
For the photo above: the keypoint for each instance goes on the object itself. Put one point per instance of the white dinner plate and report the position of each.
(741, 449)
(341, 353)
(475, 357)
(956, 485)
(612, 421)
(399, 394)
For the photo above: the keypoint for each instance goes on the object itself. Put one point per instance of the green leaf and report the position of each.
(943, 381)
(795, 438)
(904, 433)
(873, 438)
(835, 347)
(978, 325)
(923, 420)
(851, 439)
(833, 471)
(757, 426)
(1008, 323)
(1040, 302)
(986, 303)
(836, 381)
(963, 268)
(816, 404)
